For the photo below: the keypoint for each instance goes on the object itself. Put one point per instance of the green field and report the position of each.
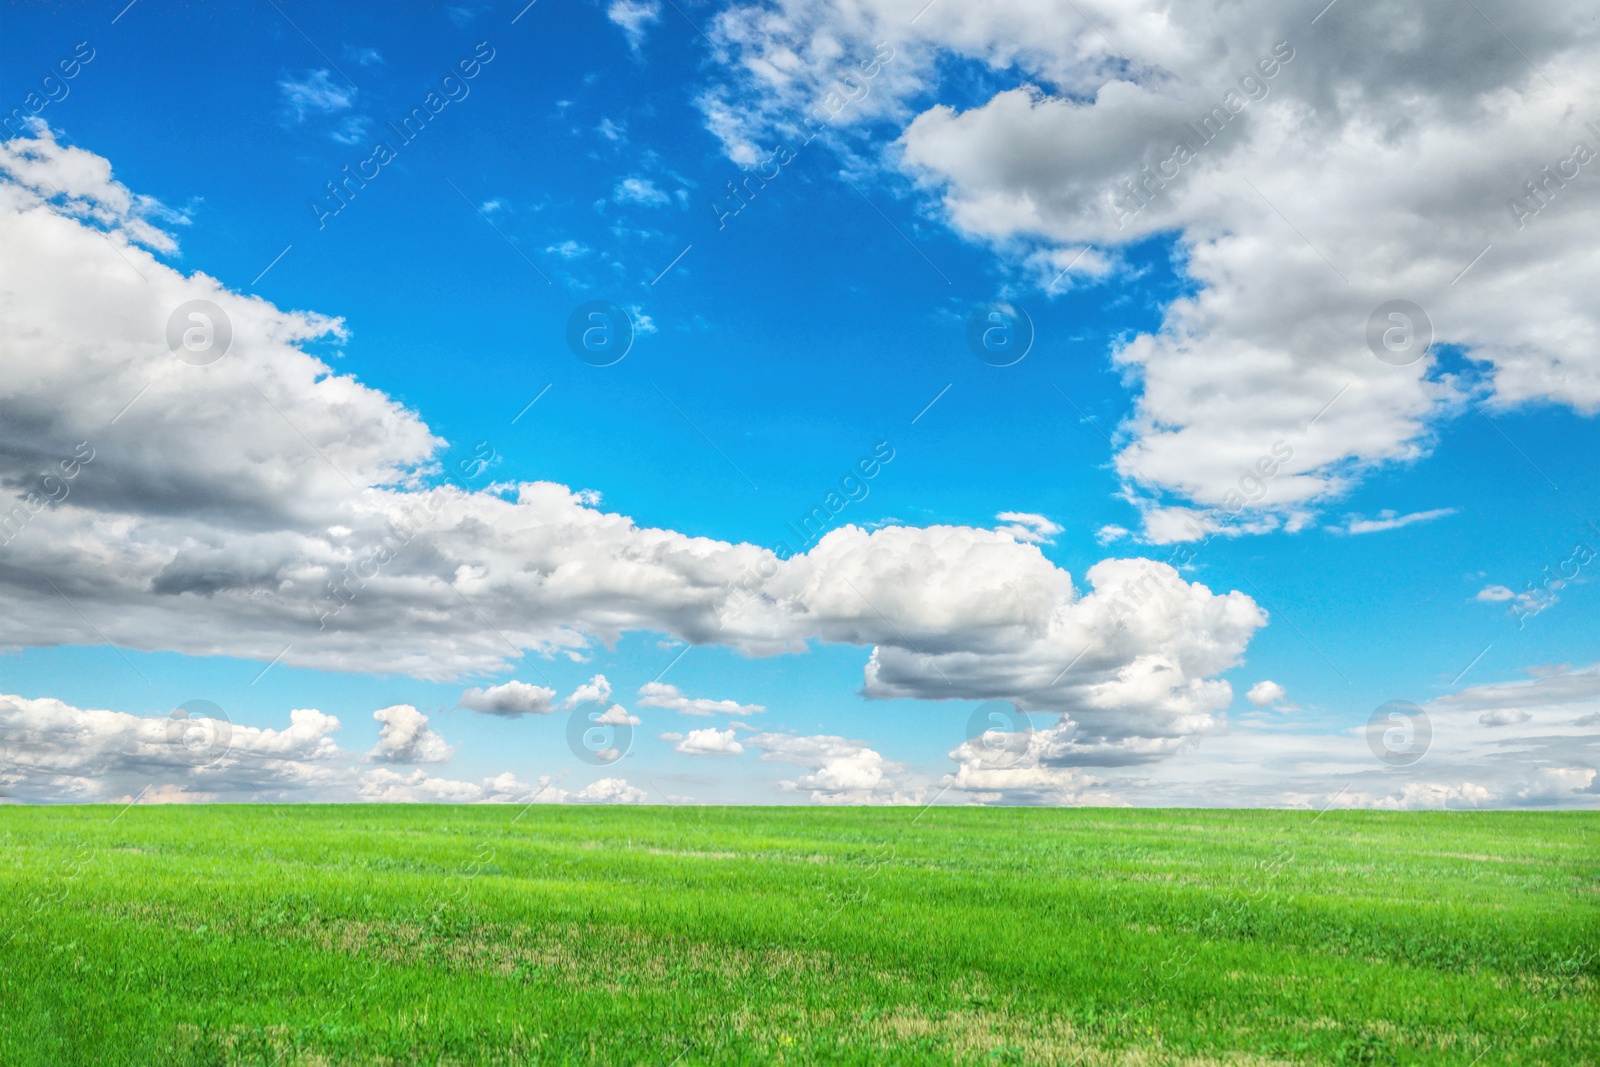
(682, 935)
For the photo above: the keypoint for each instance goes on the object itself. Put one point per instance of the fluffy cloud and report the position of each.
(617, 715)
(709, 742)
(1528, 743)
(596, 690)
(840, 771)
(262, 505)
(52, 751)
(1265, 692)
(665, 695)
(406, 737)
(607, 791)
(1311, 174)
(510, 699)
(386, 786)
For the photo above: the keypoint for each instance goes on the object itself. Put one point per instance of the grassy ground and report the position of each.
(401, 934)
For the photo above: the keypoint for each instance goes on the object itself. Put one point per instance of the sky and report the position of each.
(843, 402)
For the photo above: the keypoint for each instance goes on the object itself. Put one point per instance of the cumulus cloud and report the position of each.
(382, 785)
(596, 689)
(1311, 175)
(53, 751)
(406, 737)
(665, 695)
(617, 715)
(1494, 593)
(608, 791)
(292, 513)
(386, 786)
(1265, 692)
(840, 771)
(50, 750)
(709, 742)
(45, 176)
(510, 699)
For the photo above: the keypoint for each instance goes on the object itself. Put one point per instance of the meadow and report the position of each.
(682, 935)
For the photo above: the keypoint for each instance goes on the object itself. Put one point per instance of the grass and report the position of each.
(409, 934)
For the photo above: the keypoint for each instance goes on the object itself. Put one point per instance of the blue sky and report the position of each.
(774, 349)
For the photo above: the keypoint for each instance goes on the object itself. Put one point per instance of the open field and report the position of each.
(408, 934)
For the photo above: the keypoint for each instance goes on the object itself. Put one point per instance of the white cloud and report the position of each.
(1327, 187)
(50, 750)
(1033, 529)
(315, 92)
(596, 690)
(640, 191)
(419, 787)
(1493, 593)
(1109, 533)
(1265, 692)
(840, 771)
(665, 695)
(406, 737)
(1388, 520)
(617, 715)
(634, 16)
(294, 506)
(709, 742)
(1557, 785)
(74, 183)
(510, 699)
(608, 791)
